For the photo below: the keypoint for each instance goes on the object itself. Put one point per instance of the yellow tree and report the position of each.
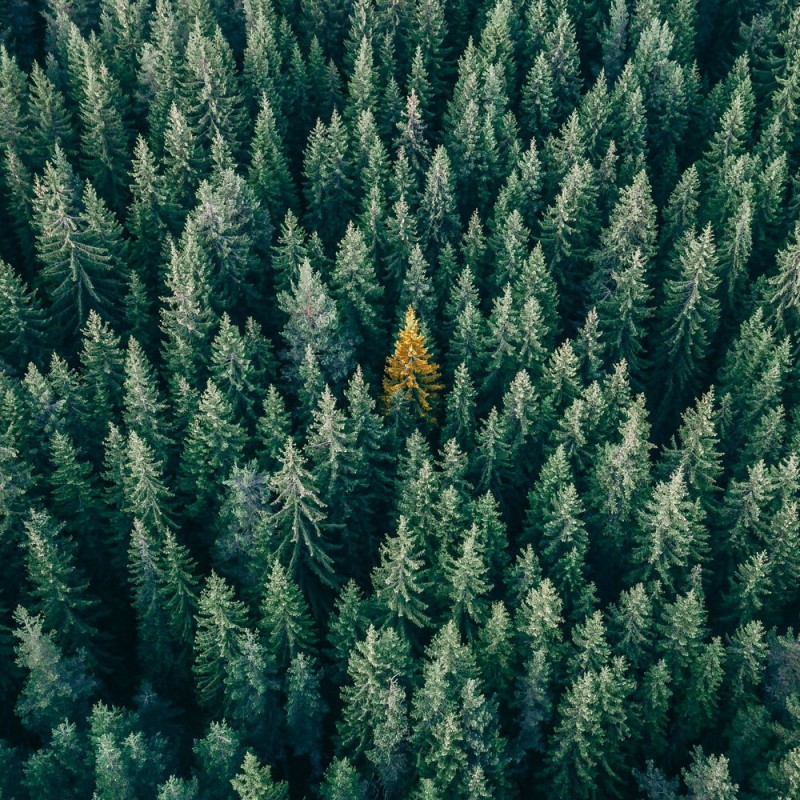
(411, 377)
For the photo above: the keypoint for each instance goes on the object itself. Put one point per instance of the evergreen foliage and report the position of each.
(399, 399)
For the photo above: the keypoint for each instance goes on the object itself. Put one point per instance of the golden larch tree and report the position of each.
(411, 377)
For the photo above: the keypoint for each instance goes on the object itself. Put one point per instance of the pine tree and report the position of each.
(411, 379)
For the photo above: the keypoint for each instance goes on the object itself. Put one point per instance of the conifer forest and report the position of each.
(399, 399)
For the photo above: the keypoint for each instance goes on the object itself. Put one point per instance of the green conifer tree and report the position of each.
(298, 521)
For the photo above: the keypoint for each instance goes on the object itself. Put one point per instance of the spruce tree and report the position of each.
(210, 91)
(186, 315)
(269, 173)
(213, 445)
(221, 618)
(285, 618)
(58, 588)
(104, 140)
(56, 686)
(146, 497)
(313, 322)
(51, 123)
(690, 314)
(76, 263)
(297, 521)
(400, 583)
(21, 319)
(355, 285)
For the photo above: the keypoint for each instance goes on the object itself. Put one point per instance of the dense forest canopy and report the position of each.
(399, 399)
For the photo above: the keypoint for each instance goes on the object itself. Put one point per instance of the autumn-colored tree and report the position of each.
(411, 377)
